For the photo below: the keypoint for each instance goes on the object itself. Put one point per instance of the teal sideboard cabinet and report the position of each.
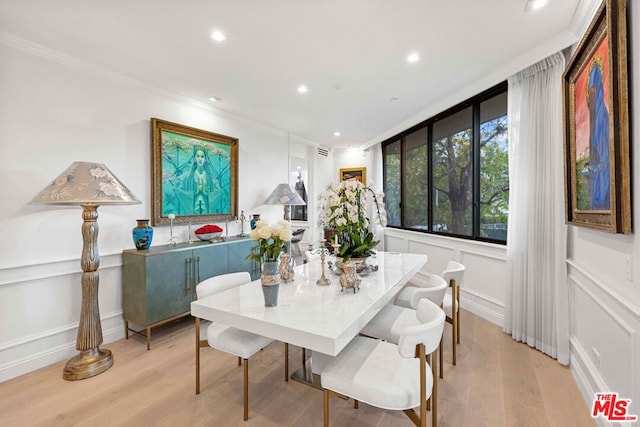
(158, 284)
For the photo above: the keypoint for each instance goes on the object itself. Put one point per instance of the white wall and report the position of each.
(55, 110)
(351, 158)
(604, 280)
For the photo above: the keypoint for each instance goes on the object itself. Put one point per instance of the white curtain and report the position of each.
(375, 178)
(537, 311)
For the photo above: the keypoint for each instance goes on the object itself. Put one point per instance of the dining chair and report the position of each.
(231, 340)
(388, 324)
(453, 275)
(451, 303)
(390, 376)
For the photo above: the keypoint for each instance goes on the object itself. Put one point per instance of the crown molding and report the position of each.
(584, 13)
(77, 64)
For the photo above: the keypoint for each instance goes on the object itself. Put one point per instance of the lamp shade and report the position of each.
(284, 195)
(86, 183)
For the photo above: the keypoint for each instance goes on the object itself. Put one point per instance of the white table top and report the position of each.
(320, 318)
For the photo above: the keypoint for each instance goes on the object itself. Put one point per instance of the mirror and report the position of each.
(298, 179)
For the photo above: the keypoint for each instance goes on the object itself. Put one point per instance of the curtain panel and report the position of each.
(536, 304)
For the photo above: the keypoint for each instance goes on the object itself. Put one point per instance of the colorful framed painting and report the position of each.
(194, 174)
(359, 174)
(596, 125)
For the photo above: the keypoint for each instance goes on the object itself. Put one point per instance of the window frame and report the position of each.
(473, 102)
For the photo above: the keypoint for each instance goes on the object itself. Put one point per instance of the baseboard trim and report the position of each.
(55, 354)
(483, 311)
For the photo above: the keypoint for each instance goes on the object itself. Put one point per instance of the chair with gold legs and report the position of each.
(453, 275)
(228, 339)
(392, 319)
(390, 376)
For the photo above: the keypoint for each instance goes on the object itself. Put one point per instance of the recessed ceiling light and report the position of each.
(413, 57)
(218, 36)
(393, 99)
(535, 5)
(336, 134)
(214, 99)
(302, 89)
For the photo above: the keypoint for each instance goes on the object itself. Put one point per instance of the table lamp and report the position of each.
(88, 185)
(286, 196)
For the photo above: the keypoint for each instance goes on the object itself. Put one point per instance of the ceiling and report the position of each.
(351, 54)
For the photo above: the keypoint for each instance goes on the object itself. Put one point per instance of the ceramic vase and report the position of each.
(252, 223)
(142, 234)
(270, 279)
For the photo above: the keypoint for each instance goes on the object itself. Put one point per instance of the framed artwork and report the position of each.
(596, 125)
(194, 174)
(359, 174)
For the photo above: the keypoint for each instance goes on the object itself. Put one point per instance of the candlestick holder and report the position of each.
(242, 220)
(173, 240)
(336, 248)
(323, 251)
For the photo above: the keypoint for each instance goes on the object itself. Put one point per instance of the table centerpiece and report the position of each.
(344, 209)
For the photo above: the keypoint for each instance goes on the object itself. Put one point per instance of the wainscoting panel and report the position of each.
(394, 243)
(604, 343)
(44, 302)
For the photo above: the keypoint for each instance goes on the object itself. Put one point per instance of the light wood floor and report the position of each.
(497, 382)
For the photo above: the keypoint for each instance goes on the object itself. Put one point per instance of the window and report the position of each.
(392, 182)
(449, 174)
(494, 170)
(416, 161)
(452, 169)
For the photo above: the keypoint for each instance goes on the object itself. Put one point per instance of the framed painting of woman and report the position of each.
(595, 91)
(194, 174)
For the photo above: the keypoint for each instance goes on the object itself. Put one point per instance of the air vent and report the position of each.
(322, 151)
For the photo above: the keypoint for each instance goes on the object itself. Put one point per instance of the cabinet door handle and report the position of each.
(198, 269)
(189, 275)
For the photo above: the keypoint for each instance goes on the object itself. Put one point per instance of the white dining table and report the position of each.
(321, 318)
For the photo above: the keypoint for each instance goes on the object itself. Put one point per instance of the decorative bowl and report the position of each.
(363, 266)
(209, 236)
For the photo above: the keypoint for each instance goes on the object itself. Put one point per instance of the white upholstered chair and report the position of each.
(411, 294)
(228, 339)
(392, 319)
(450, 304)
(453, 275)
(389, 376)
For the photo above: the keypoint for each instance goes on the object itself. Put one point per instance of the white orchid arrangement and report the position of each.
(344, 208)
(271, 240)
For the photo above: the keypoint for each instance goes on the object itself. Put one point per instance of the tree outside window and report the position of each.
(450, 176)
